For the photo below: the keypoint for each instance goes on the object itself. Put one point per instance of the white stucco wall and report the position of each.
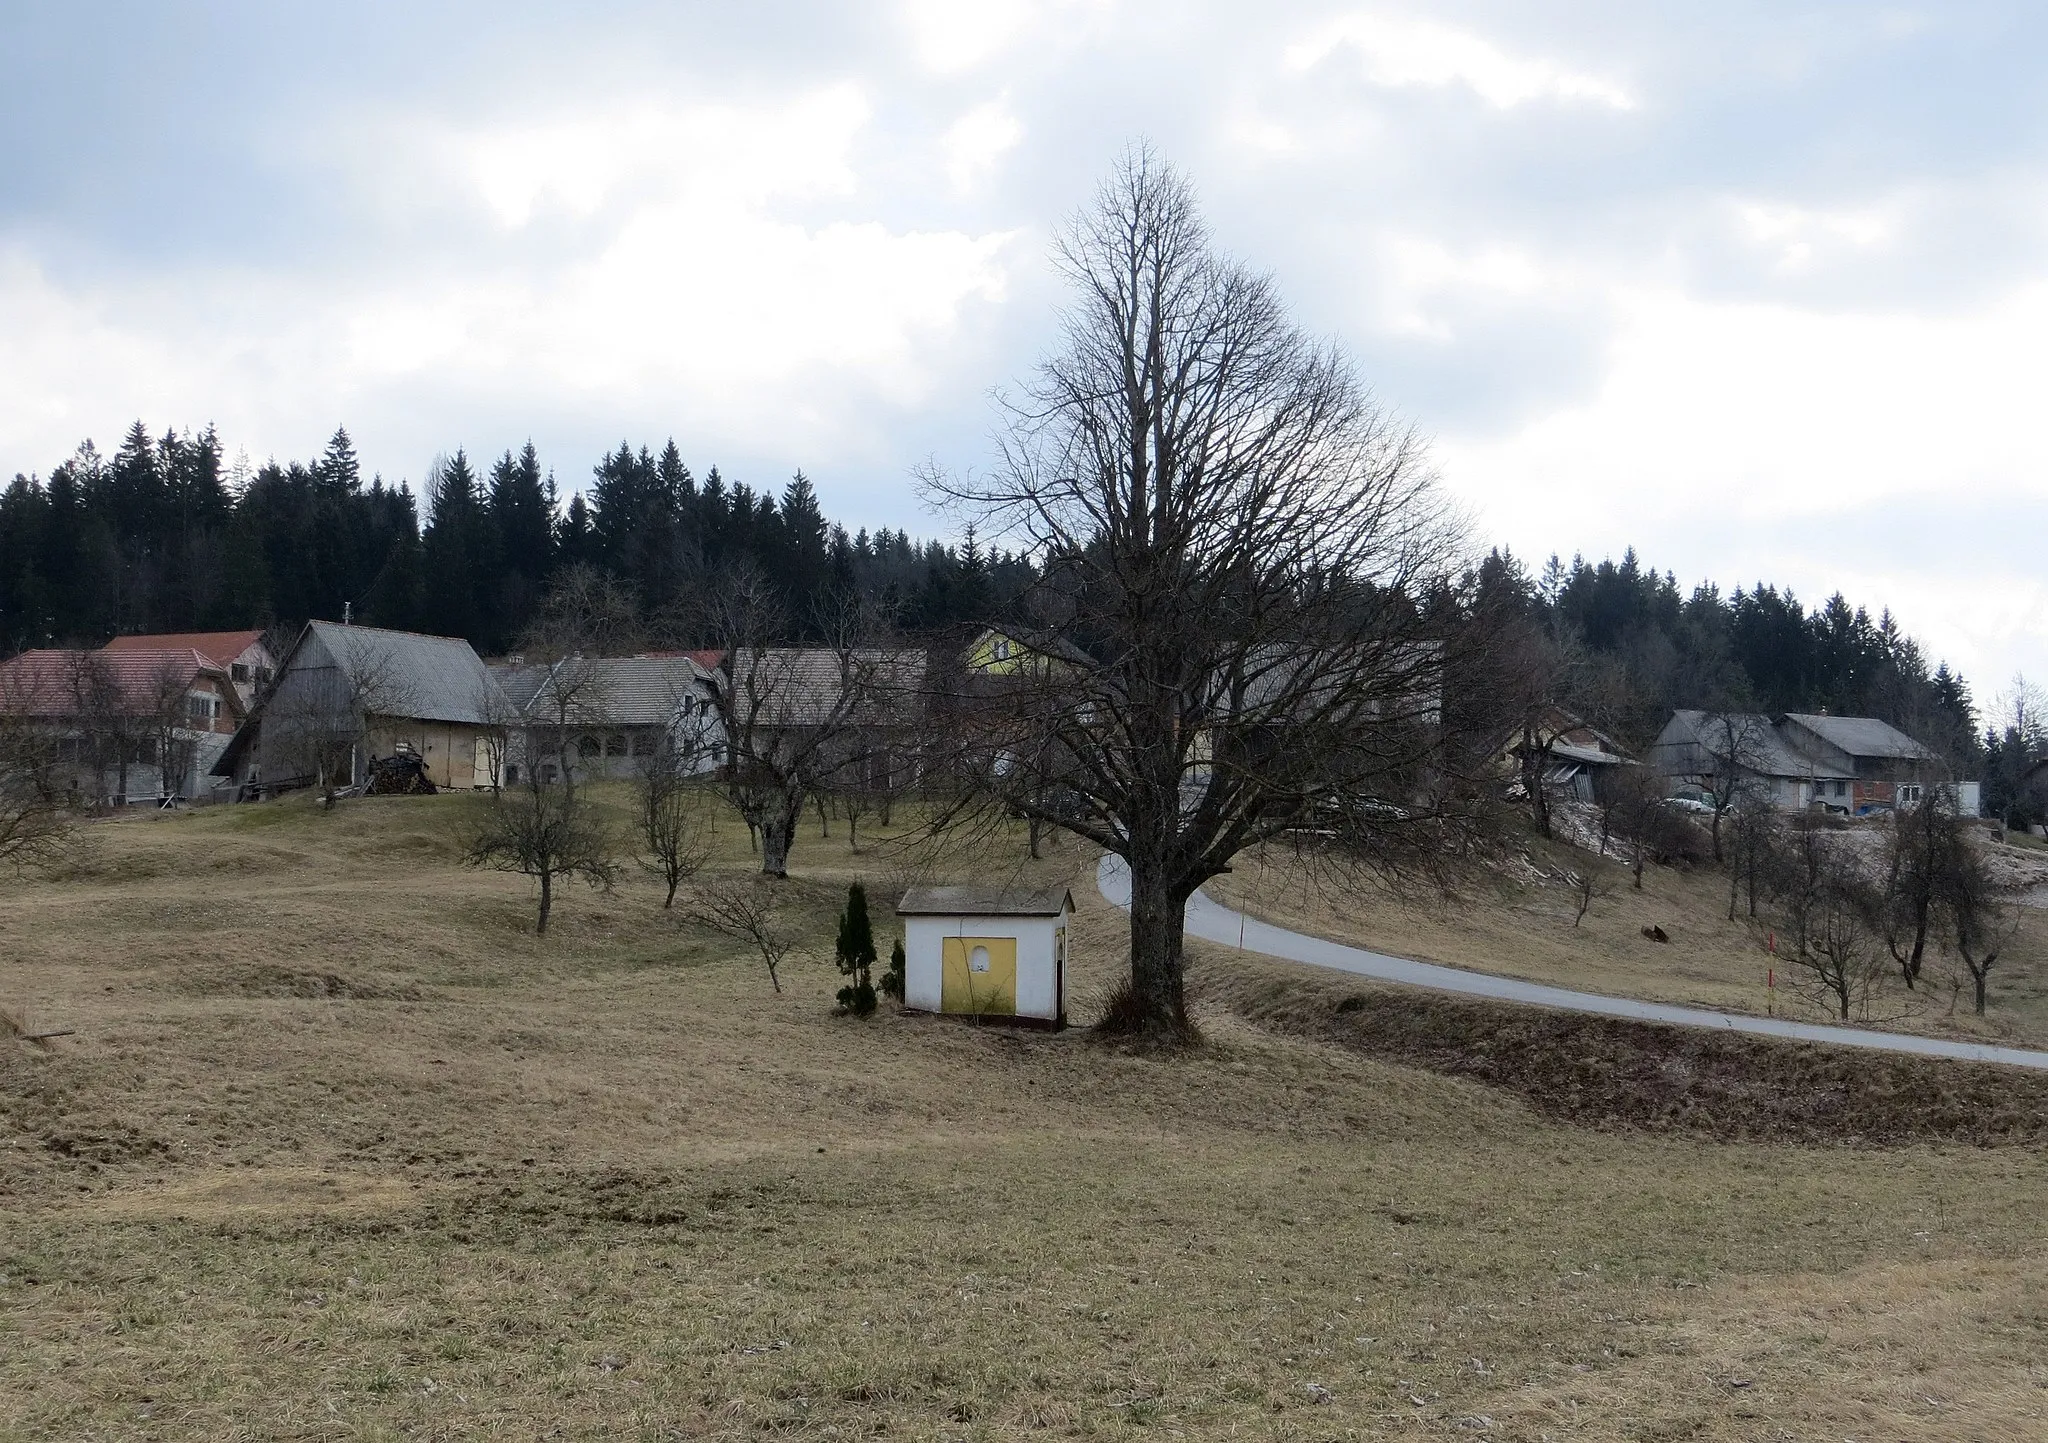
(1037, 979)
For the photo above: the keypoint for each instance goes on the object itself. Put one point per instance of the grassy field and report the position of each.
(1521, 924)
(341, 1151)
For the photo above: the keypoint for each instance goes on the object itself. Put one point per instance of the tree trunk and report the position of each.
(670, 899)
(778, 831)
(774, 848)
(824, 817)
(1156, 1002)
(1980, 980)
(1036, 826)
(547, 901)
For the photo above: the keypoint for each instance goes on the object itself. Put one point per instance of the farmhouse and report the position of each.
(132, 724)
(987, 952)
(241, 654)
(609, 715)
(1576, 759)
(347, 695)
(1009, 650)
(1846, 764)
(859, 717)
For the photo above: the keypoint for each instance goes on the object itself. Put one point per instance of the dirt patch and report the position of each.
(1610, 1073)
(105, 1142)
(266, 981)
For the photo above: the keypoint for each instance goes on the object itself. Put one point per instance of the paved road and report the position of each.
(1214, 922)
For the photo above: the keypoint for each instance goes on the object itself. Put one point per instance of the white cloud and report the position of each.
(714, 154)
(951, 37)
(1400, 52)
(978, 141)
(684, 290)
(1798, 236)
(1732, 440)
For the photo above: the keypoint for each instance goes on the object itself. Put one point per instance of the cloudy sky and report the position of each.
(1756, 286)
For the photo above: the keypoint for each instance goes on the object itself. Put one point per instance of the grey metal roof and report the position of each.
(1863, 736)
(1590, 756)
(984, 902)
(804, 686)
(624, 690)
(519, 681)
(432, 678)
(1765, 749)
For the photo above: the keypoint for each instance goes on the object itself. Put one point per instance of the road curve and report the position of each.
(1213, 922)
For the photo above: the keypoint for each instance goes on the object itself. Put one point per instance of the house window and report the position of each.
(1002, 649)
(1909, 796)
(615, 744)
(588, 747)
(643, 744)
(201, 708)
(263, 675)
(689, 705)
(512, 774)
(239, 671)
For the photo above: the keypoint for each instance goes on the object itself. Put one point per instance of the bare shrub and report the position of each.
(749, 910)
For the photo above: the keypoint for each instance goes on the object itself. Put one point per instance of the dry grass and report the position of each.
(1521, 926)
(341, 1151)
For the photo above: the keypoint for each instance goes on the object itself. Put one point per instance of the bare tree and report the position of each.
(1547, 671)
(1587, 886)
(1828, 914)
(746, 909)
(1839, 959)
(1638, 811)
(545, 830)
(110, 731)
(1926, 853)
(1245, 547)
(1751, 832)
(165, 722)
(1736, 744)
(792, 716)
(35, 822)
(544, 826)
(1983, 925)
(671, 819)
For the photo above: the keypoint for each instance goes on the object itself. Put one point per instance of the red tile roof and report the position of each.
(40, 683)
(218, 647)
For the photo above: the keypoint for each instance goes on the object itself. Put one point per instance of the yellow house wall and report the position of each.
(992, 993)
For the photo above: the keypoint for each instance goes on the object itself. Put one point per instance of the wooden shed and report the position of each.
(987, 952)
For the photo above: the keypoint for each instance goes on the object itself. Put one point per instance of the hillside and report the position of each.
(1520, 923)
(340, 1150)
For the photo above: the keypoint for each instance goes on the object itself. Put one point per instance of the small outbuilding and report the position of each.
(987, 952)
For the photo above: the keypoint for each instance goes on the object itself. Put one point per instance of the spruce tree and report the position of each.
(855, 953)
(457, 554)
(895, 981)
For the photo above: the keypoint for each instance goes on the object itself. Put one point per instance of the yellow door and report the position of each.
(978, 975)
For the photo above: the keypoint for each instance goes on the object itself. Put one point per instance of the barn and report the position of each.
(987, 952)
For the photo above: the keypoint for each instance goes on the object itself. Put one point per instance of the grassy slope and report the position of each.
(1523, 927)
(606, 1185)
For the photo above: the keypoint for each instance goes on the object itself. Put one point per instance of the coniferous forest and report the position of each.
(163, 536)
